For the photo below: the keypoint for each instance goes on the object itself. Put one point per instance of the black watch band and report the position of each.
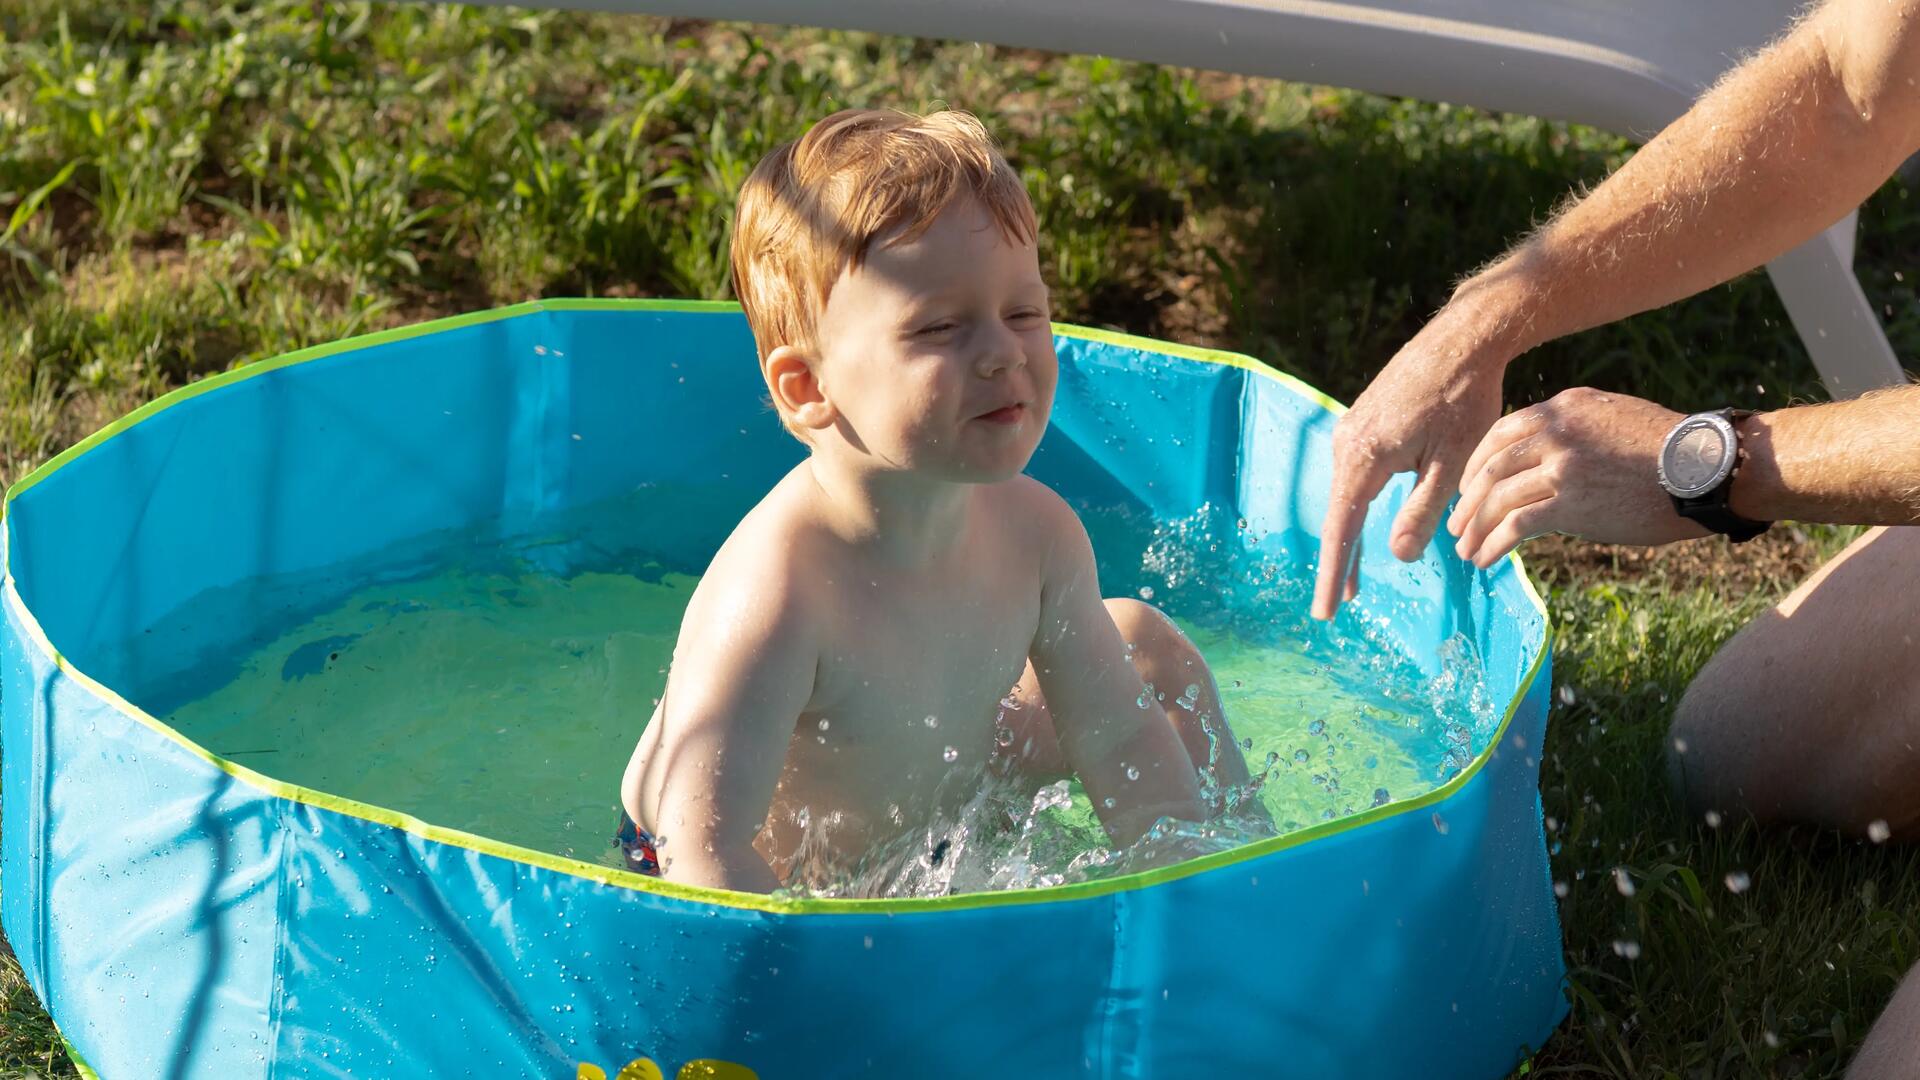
(1714, 515)
(1711, 509)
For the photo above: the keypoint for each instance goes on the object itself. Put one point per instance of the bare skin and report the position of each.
(1583, 464)
(1806, 714)
(1784, 146)
(848, 649)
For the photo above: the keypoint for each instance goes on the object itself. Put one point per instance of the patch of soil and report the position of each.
(1773, 562)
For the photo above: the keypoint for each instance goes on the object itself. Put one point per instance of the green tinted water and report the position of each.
(503, 700)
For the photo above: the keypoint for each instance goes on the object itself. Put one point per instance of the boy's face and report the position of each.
(938, 353)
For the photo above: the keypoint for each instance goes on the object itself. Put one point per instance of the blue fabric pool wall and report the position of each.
(183, 916)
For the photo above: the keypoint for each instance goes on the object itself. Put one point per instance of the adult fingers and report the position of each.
(1422, 510)
(1516, 457)
(1505, 431)
(1355, 483)
(1529, 521)
(1503, 499)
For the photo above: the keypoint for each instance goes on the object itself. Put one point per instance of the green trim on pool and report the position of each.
(607, 875)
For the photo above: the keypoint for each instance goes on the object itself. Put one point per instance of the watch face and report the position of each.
(1695, 460)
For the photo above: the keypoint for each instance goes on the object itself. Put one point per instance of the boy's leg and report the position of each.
(1164, 657)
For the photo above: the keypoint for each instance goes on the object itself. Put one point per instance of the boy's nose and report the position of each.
(1000, 353)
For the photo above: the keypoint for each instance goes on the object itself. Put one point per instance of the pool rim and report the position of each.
(625, 879)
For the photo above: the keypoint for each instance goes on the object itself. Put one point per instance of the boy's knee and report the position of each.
(1142, 624)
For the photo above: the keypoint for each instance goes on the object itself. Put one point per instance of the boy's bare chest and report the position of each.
(948, 651)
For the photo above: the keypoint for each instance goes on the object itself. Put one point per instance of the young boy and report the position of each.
(847, 656)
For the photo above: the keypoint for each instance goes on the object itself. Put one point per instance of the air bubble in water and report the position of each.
(1318, 727)
(950, 754)
(823, 723)
(1146, 697)
(932, 721)
(1301, 756)
(1133, 773)
(1146, 592)
(1272, 758)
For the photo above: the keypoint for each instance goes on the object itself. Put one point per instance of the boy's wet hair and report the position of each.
(814, 207)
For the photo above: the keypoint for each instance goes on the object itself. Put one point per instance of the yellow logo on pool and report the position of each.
(645, 1069)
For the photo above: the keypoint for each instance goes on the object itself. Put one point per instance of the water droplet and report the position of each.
(1566, 695)
(1272, 758)
(1561, 889)
(1107, 802)
(1133, 773)
(1380, 797)
(1738, 882)
(1318, 727)
(1146, 592)
(1622, 882)
(823, 723)
(1301, 756)
(1713, 819)
(950, 755)
(932, 721)
(1247, 744)
(1628, 949)
(1878, 831)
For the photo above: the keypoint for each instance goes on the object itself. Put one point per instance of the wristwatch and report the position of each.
(1697, 465)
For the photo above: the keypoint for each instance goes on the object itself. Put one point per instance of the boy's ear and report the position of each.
(793, 379)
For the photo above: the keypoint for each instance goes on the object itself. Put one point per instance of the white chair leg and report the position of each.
(1831, 313)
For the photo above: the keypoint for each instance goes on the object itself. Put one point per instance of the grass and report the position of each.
(188, 185)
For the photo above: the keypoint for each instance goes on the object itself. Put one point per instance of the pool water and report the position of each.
(492, 688)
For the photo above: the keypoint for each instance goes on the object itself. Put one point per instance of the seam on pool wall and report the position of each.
(276, 988)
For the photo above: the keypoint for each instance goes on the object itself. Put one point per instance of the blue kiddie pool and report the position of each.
(229, 663)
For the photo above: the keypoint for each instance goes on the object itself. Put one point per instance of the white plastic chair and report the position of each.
(1626, 66)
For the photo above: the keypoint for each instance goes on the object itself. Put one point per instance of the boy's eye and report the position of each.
(935, 328)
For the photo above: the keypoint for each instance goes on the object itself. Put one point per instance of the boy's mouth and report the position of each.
(1005, 414)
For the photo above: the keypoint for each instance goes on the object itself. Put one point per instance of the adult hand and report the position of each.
(1583, 463)
(1423, 413)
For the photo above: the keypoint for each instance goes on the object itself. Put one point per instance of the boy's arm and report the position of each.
(742, 674)
(1129, 758)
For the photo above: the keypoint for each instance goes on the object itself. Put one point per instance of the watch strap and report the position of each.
(1711, 509)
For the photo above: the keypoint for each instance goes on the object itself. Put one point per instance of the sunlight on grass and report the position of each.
(188, 185)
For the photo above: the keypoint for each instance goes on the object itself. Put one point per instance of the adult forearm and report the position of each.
(1782, 148)
(1849, 463)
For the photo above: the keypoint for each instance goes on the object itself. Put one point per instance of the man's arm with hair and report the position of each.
(1783, 147)
(1584, 463)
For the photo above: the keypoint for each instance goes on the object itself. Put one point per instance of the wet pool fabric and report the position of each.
(187, 914)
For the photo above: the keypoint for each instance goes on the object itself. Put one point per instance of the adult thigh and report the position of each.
(1812, 712)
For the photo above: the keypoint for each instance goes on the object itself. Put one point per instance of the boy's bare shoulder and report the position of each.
(1040, 512)
(770, 565)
